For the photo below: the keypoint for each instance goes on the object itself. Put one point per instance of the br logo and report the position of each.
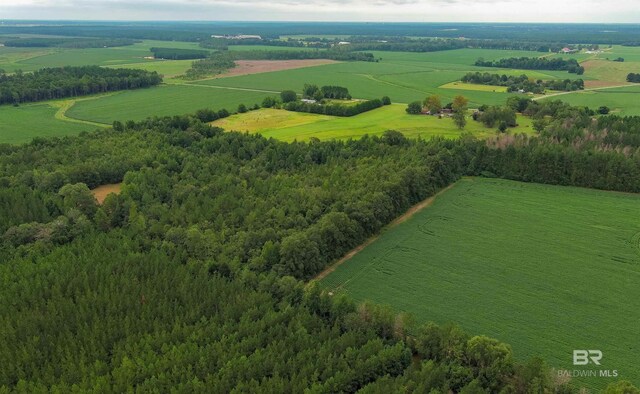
(584, 357)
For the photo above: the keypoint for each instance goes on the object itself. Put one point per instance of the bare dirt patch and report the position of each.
(101, 192)
(404, 217)
(246, 67)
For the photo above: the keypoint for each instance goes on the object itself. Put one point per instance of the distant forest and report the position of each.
(76, 43)
(56, 83)
(201, 31)
(535, 63)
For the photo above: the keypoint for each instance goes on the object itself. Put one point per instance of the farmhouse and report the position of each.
(308, 101)
(568, 50)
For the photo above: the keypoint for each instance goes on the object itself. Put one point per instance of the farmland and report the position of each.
(403, 76)
(22, 124)
(513, 260)
(289, 126)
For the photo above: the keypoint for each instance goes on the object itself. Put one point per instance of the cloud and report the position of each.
(338, 10)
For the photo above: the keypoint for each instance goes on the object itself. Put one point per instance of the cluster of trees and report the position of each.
(55, 83)
(503, 117)
(458, 108)
(178, 53)
(69, 42)
(523, 82)
(535, 63)
(633, 77)
(190, 278)
(217, 63)
(337, 109)
(311, 91)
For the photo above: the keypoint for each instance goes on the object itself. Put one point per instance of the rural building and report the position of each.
(239, 37)
(568, 50)
(309, 101)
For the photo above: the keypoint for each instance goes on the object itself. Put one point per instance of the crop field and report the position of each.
(288, 126)
(165, 100)
(548, 269)
(622, 100)
(403, 76)
(474, 86)
(22, 124)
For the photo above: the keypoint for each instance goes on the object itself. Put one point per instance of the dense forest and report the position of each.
(56, 83)
(178, 53)
(523, 83)
(535, 63)
(69, 42)
(549, 33)
(190, 279)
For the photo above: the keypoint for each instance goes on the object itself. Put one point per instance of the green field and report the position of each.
(622, 101)
(288, 126)
(403, 76)
(545, 268)
(162, 101)
(22, 124)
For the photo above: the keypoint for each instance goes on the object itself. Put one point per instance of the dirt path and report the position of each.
(401, 219)
(65, 105)
(580, 91)
(198, 85)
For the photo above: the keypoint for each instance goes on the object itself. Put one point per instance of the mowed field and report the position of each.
(289, 126)
(548, 269)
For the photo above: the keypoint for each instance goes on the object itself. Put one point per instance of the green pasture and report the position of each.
(22, 124)
(547, 269)
(288, 126)
(165, 100)
(622, 101)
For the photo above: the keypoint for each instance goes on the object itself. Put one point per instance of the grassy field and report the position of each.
(22, 124)
(289, 126)
(403, 76)
(622, 101)
(474, 86)
(162, 101)
(545, 268)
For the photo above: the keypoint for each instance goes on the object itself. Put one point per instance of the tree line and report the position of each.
(55, 83)
(76, 43)
(523, 82)
(535, 63)
(336, 109)
(178, 53)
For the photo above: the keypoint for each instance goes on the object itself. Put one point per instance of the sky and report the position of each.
(563, 11)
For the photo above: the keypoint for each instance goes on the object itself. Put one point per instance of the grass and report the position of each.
(289, 126)
(622, 101)
(474, 86)
(22, 124)
(545, 268)
(403, 76)
(165, 100)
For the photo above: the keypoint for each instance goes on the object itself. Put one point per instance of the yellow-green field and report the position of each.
(473, 86)
(288, 126)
